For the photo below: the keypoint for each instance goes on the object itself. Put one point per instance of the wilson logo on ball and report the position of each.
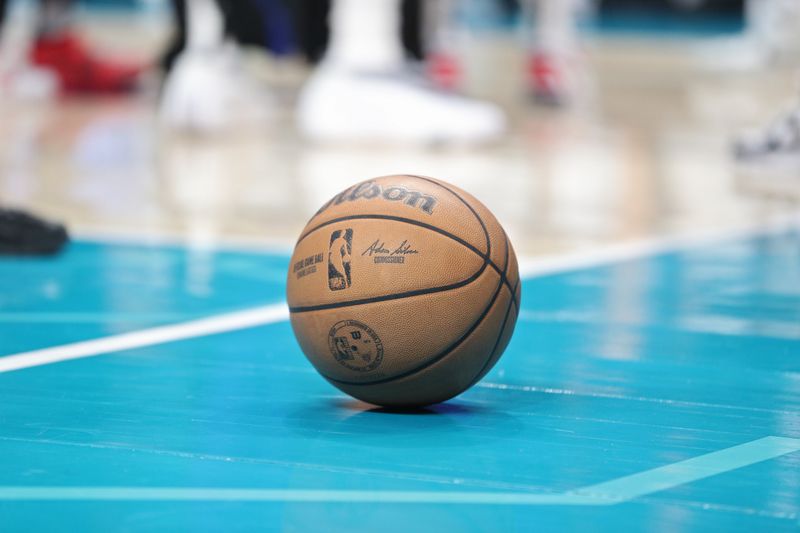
(340, 251)
(370, 190)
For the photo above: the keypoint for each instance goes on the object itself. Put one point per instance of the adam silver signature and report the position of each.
(385, 255)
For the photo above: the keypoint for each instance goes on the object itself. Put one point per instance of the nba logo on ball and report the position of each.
(435, 299)
(339, 252)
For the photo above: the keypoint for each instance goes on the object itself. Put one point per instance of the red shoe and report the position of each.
(78, 70)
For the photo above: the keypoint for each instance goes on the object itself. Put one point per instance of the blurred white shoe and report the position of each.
(209, 91)
(344, 105)
(28, 84)
(776, 147)
(19, 80)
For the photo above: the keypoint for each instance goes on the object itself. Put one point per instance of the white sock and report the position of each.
(439, 27)
(365, 35)
(557, 26)
(205, 25)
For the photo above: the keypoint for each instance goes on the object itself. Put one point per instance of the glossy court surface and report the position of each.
(658, 393)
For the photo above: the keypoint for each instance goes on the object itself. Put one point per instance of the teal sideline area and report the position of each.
(658, 393)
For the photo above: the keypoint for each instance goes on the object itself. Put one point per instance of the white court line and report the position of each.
(249, 318)
(615, 253)
(608, 493)
(267, 315)
(529, 266)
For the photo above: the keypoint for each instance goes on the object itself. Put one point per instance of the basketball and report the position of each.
(403, 291)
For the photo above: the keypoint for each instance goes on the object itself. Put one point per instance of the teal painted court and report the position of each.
(662, 390)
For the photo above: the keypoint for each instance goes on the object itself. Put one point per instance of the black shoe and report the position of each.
(24, 234)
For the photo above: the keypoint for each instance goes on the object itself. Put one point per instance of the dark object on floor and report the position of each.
(24, 234)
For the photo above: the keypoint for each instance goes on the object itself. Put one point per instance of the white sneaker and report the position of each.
(341, 105)
(208, 91)
(777, 144)
(28, 84)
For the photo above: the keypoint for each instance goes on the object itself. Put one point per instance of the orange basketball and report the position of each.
(403, 291)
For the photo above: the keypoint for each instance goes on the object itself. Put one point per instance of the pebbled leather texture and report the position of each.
(403, 290)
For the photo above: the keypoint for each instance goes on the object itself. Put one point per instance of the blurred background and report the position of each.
(581, 123)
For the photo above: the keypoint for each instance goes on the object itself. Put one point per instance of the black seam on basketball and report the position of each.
(469, 206)
(505, 269)
(386, 297)
(369, 216)
(434, 228)
(486, 257)
(493, 356)
(512, 301)
(486, 260)
(480, 220)
(446, 351)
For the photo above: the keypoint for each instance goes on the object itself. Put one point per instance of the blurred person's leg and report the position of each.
(312, 29)
(178, 40)
(3, 6)
(363, 90)
(59, 48)
(311, 26)
(197, 77)
(244, 22)
(241, 21)
(22, 233)
(556, 50)
(365, 35)
(276, 26)
(209, 89)
(443, 64)
(411, 28)
(55, 16)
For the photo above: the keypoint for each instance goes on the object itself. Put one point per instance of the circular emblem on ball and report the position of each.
(355, 345)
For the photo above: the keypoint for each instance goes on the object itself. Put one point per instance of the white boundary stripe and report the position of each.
(529, 266)
(545, 265)
(608, 493)
(148, 337)
(267, 315)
